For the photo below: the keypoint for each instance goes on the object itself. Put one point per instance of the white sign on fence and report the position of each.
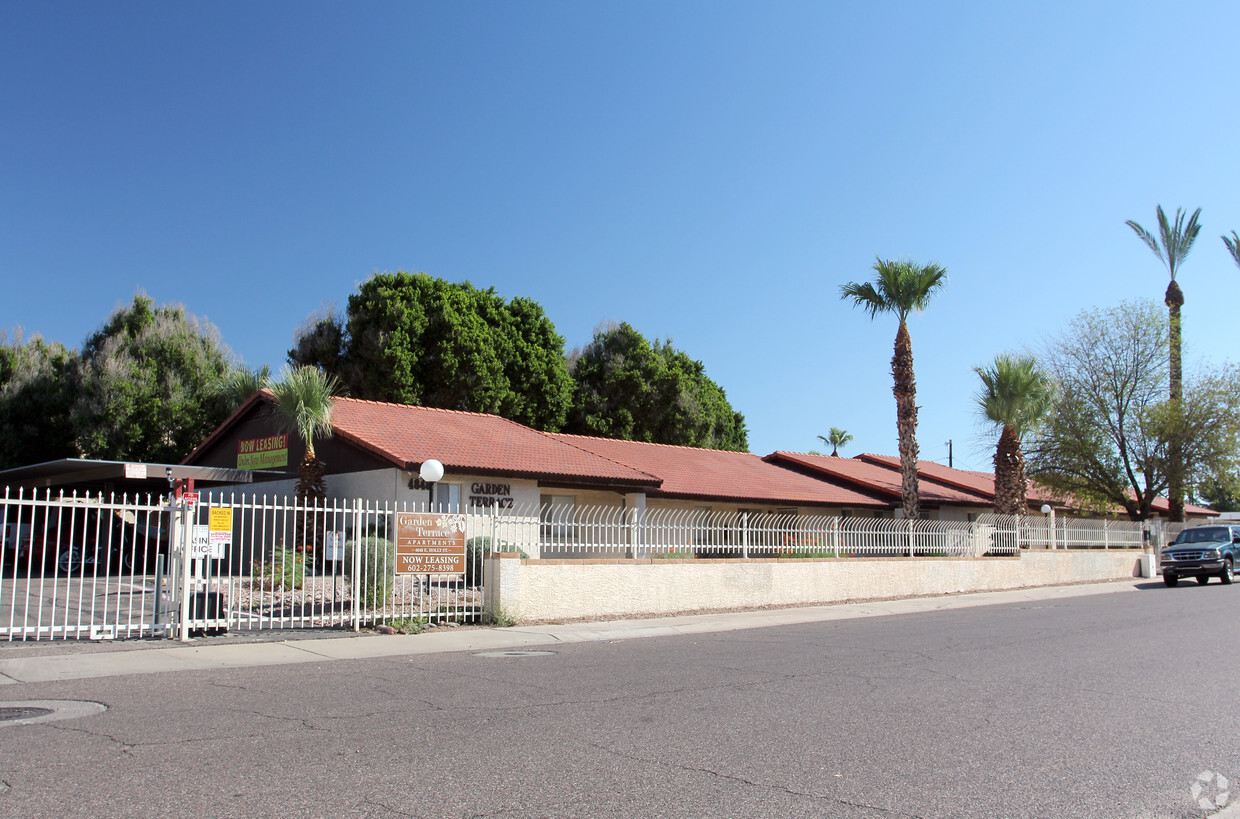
(201, 544)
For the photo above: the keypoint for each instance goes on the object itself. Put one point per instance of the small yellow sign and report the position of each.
(221, 520)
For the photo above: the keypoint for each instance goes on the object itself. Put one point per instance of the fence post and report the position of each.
(355, 570)
(745, 535)
(910, 537)
(1106, 540)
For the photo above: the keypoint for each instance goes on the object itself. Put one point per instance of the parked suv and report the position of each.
(1202, 552)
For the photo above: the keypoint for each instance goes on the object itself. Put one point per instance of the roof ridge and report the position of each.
(555, 436)
(655, 443)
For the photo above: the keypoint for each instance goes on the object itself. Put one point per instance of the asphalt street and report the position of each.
(1085, 705)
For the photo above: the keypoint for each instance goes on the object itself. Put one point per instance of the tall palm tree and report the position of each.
(901, 287)
(835, 439)
(1015, 395)
(1177, 239)
(1233, 246)
(303, 405)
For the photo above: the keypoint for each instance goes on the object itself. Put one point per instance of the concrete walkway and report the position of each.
(147, 657)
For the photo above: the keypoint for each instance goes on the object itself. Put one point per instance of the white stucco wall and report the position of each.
(537, 590)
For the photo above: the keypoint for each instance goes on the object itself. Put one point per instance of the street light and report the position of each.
(1047, 509)
(431, 471)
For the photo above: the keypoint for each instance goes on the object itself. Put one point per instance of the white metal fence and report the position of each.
(102, 567)
(94, 567)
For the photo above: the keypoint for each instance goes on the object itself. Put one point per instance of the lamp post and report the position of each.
(431, 471)
(1047, 509)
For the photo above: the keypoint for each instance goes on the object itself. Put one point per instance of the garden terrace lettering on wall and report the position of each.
(491, 495)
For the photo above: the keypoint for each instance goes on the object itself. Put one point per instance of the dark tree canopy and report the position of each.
(630, 388)
(415, 339)
(36, 393)
(149, 384)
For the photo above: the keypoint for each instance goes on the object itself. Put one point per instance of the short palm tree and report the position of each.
(241, 382)
(1233, 246)
(303, 405)
(835, 439)
(1015, 395)
(1176, 240)
(901, 287)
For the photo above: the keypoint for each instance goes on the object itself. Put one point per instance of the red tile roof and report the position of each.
(984, 483)
(689, 472)
(472, 441)
(880, 479)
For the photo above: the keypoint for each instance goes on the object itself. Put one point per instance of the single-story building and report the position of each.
(377, 449)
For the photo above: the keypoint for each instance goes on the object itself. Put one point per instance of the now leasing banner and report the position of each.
(263, 453)
(430, 543)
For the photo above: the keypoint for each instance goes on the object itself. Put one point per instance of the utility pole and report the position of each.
(949, 453)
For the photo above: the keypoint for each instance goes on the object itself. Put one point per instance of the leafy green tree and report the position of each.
(1015, 396)
(414, 339)
(148, 388)
(1176, 241)
(37, 388)
(901, 287)
(1108, 438)
(1233, 246)
(636, 390)
(835, 439)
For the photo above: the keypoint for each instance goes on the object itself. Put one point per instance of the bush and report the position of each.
(286, 570)
(378, 567)
(476, 550)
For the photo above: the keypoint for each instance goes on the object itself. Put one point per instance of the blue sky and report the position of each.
(710, 172)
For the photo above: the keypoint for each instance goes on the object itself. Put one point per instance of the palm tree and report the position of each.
(303, 405)
(835, 439)
(1177, 240)
(901, 287)
(242, 382)
(1233, 246)
(1015, 395)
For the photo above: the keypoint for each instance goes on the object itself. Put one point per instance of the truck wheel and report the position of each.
(1226, 574)
(1170, 579)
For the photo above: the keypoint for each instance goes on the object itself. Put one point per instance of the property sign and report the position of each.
(430, 543)
(263, 453)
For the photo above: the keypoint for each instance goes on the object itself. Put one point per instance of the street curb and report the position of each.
(192, 657)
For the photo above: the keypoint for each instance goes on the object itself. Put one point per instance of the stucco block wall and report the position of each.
(533, 590)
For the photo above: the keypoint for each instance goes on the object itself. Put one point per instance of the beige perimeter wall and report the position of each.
(541, 590)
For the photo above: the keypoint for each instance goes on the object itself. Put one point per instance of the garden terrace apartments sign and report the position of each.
(429, 543)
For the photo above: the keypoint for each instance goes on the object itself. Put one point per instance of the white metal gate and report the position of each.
(98, 567)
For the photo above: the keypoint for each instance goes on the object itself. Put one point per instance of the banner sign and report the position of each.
(430, 543)
(263, 453)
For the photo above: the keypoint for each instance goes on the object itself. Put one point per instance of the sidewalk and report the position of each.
(147, 657)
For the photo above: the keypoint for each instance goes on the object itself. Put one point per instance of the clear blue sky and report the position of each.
(710, 172)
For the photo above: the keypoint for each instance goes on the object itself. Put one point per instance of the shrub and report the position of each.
(286, 570)
(476, 549)
(378, 569)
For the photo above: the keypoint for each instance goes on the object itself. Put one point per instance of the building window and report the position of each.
(447, 497)
(557, 516)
